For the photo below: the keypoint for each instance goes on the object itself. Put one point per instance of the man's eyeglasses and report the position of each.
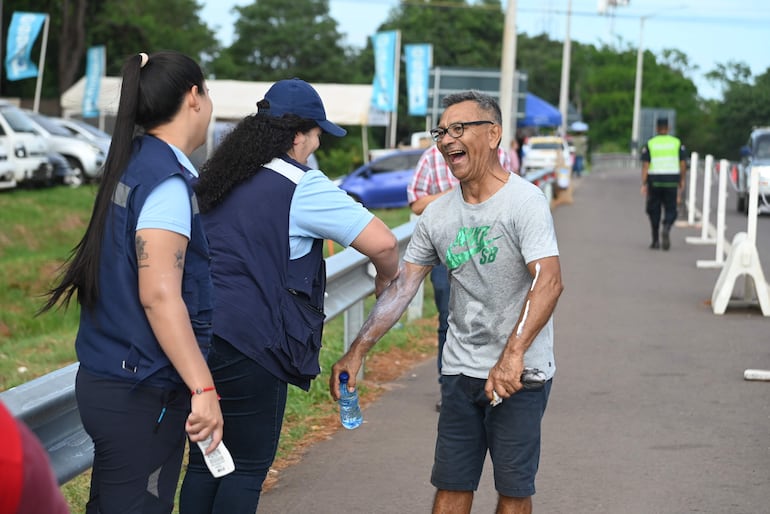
(456, 129)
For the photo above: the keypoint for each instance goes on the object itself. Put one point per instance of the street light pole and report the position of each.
(637, 91)
(566, 57)
(508, 103)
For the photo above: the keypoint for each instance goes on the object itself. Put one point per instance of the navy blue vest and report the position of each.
(268, 307)
(115, 339)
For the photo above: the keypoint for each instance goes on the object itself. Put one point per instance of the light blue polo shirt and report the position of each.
(321, 210)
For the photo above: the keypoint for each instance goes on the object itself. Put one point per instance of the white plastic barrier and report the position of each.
(704, 236)
(692, 186)
(743, 260)
(719, 259)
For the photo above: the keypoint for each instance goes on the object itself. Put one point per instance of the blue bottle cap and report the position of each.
(344, 377)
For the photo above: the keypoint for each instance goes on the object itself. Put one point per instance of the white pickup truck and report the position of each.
(755, 155)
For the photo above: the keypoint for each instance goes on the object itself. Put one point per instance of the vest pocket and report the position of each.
(299, 343)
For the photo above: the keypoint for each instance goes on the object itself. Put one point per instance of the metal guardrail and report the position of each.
(47, 405)
(541, 177)
(614, 161)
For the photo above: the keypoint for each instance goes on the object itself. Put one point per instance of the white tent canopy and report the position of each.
(346, 104)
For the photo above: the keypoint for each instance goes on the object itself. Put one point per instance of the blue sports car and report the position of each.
(382, 183)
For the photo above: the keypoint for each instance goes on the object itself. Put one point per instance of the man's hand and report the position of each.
(349, 363)
(505, 377)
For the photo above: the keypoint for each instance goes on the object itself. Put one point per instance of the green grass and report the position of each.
(39, 228)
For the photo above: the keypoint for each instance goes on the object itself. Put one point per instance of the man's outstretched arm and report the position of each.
(388, 309)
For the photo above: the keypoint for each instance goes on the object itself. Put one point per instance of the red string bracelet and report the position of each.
(205, 390)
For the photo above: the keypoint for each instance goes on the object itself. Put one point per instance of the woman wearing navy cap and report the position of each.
(266, 214)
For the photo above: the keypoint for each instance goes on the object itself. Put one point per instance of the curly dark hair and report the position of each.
(255, 141)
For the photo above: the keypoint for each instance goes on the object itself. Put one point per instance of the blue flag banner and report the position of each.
(95, 59)
(418, 63)
(384, 85)
(22, 33)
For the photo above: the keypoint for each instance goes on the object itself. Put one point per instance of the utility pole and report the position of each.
(509, 103)
(566, 57)
(637, 92)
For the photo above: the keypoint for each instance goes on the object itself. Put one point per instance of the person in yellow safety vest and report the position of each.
(664, 167)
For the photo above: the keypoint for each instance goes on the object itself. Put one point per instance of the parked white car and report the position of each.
(7, 170)
(24, 147)
(85, 157)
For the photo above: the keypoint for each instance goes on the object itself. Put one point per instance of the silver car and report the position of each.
(85, 157)
(87, 131)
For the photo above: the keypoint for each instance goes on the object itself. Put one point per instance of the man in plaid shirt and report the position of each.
(432, 179)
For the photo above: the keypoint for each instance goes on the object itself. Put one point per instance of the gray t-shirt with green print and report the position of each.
(486, 248)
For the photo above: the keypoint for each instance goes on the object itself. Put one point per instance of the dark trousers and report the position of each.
(138, 446)
(658, 199)
(253, 402)
(439, 277)
(577, 167)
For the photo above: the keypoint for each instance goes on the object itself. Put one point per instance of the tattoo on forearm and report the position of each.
(141, 255)
(179, 259)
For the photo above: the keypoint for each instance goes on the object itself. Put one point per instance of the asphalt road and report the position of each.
(649, 411)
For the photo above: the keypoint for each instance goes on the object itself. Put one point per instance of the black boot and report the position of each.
(665, 237)
(654, 245)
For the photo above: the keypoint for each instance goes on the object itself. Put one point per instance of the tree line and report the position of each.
(275, 39)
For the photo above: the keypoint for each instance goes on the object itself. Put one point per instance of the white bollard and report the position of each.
(704, 238)
(719, 259)
(692, 185)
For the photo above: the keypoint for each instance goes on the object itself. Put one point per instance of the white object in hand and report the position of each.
(496, 400)
(219, 462)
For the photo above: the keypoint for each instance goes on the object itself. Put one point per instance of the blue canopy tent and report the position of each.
(539, 113)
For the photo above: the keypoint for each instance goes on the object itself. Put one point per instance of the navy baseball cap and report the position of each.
(295, 96)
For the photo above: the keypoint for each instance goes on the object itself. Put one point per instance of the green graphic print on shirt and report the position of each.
(469, 242)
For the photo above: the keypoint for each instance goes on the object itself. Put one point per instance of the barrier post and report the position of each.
(719, 258)
(692, 185)
(704, 237)
(749, 290)
(744, 260)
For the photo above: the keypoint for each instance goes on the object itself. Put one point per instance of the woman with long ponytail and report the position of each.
(141, 278)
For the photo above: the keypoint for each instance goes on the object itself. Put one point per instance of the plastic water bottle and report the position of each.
(350, 411)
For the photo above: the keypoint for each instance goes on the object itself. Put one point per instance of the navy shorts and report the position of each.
(469, 426)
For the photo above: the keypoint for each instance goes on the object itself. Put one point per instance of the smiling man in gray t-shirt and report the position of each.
(486, 248)
(496, 237)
